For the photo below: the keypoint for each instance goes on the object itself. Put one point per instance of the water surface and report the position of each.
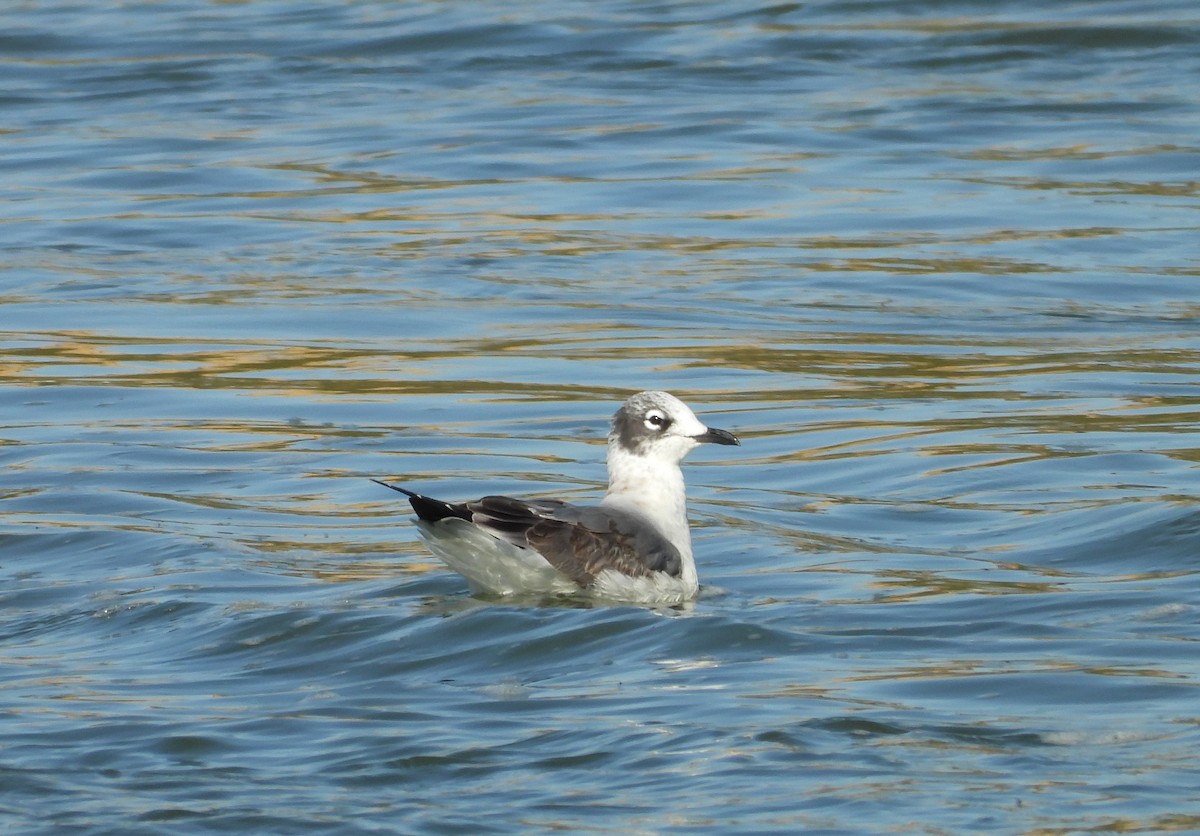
(934, 262)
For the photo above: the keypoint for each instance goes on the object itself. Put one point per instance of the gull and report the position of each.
(634, 546)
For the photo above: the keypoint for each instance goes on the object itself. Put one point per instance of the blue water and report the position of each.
(935, 263)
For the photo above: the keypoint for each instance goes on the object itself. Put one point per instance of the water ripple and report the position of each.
(935, 265)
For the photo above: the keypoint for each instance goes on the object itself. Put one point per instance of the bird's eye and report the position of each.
(657, 421)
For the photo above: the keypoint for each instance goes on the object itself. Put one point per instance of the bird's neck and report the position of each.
(653, 489)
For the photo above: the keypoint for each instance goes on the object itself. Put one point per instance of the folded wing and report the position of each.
(578, 541)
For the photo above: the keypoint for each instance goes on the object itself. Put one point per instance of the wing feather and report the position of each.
(580, 542)
(603, 540)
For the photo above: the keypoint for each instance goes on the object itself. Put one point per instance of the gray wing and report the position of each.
(580, 542)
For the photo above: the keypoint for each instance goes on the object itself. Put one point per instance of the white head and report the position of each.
(657, 425)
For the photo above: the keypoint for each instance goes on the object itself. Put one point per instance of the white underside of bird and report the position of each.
(495, 567)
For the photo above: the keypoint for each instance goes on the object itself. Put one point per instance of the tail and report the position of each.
(427, 508)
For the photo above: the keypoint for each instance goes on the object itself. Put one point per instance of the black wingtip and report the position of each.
(409, 494)
(427, 508)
